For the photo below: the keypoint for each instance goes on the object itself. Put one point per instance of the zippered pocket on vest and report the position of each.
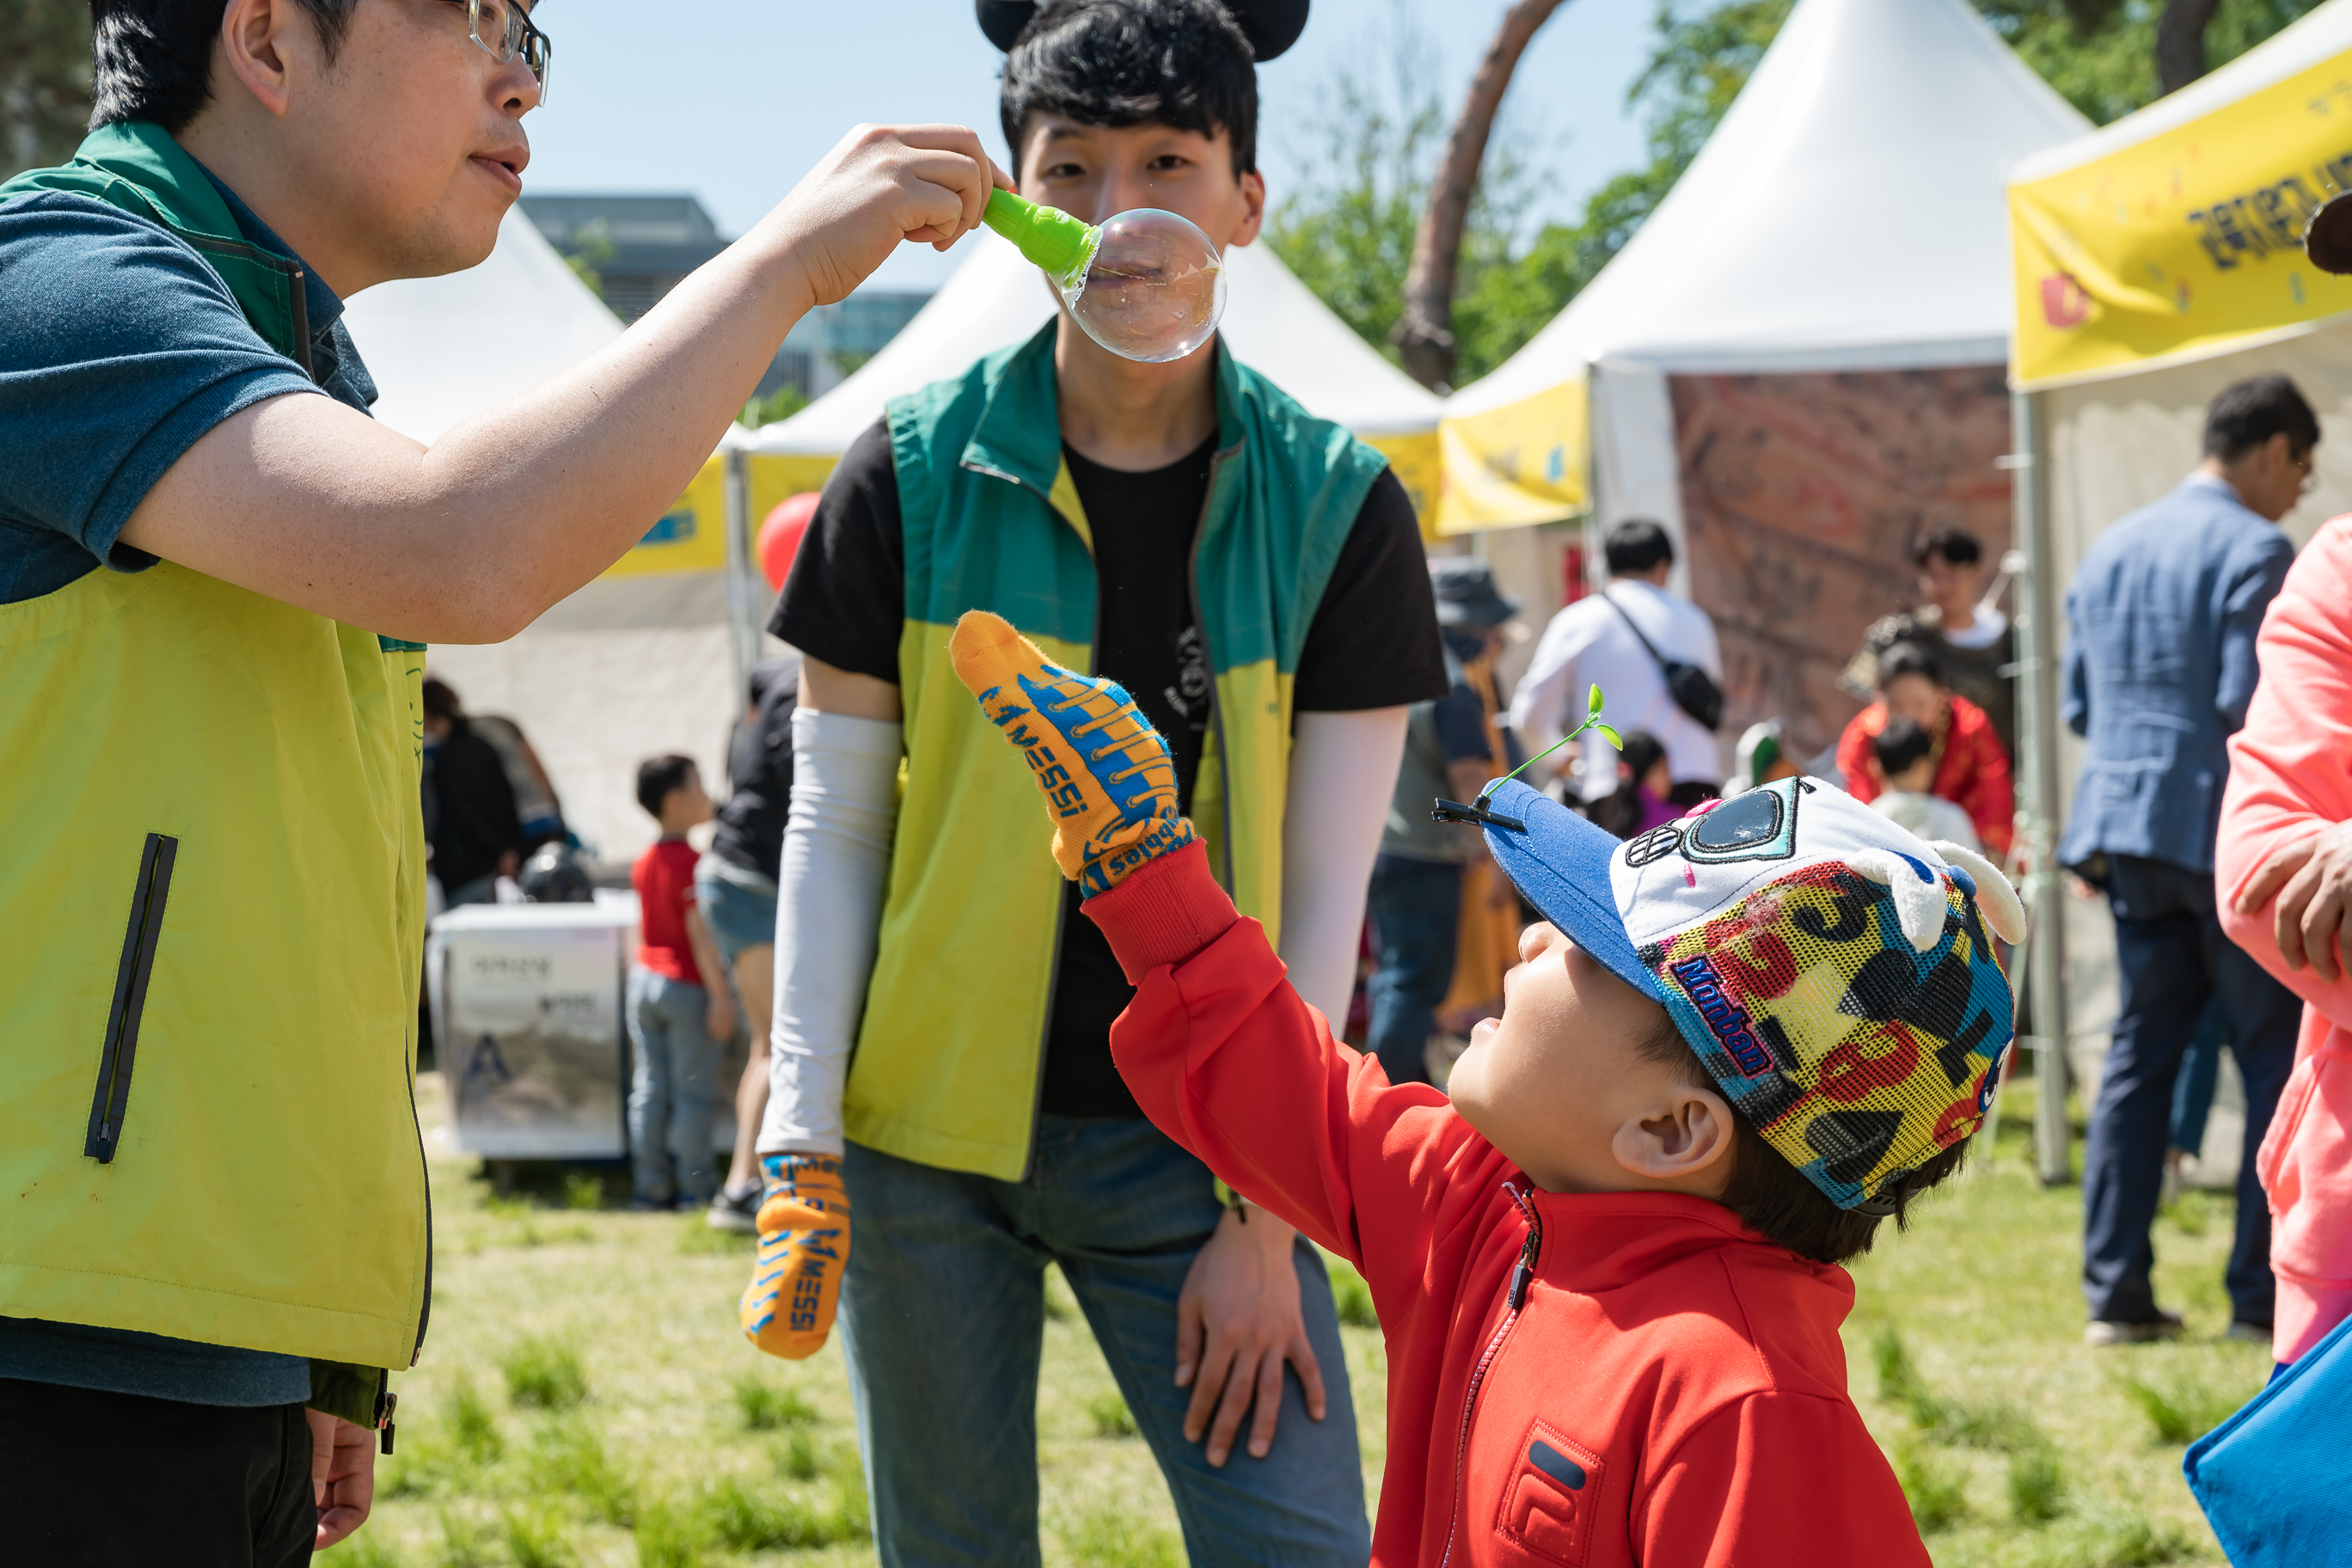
(113, 1097)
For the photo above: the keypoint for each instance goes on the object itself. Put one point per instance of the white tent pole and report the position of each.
(2037, 818)
(743, 636)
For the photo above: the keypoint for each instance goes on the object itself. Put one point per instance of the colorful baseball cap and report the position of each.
(1833, 972)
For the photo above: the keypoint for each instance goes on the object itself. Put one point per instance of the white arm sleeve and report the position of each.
(828, 911)
(1343, 771)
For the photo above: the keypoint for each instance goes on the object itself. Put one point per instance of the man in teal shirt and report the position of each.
(184, 411)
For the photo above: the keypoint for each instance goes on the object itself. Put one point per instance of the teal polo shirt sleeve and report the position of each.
(118, 349)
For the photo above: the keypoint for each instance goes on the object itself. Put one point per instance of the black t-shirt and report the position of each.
(750, 826)
(1373, 644)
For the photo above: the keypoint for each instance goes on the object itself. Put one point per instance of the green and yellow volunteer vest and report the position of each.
(950, 1055)
(211, 919)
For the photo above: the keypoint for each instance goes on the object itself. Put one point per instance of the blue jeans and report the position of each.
(1416, 909)
(943, 1319)
(673, 1087)
(2172, 958)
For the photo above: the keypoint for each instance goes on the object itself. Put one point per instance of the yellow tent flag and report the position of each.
(1523, 462)
(691, 536)
(2187, 243)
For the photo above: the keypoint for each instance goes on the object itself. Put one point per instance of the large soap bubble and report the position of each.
(1146, 285)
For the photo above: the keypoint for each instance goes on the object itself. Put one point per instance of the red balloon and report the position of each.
(780, 536)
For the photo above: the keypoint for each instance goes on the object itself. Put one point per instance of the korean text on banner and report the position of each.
(2187, 243)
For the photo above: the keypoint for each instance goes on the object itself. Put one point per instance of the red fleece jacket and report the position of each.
(1574, 1379)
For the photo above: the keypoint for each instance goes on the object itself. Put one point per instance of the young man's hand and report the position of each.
(804, 1225)
(342, 1475)
(1237, 1320)
(879, 185)
(718, 1016)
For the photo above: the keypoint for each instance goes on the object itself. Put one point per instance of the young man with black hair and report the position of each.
(2160, 666)
(1598, 641)
(1256, 576)
(217, 577)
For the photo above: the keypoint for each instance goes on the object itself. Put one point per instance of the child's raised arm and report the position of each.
(1218, 1049)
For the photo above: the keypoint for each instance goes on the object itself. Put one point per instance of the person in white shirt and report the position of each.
(1958, 622)
(1594, 642)
(1904, 760)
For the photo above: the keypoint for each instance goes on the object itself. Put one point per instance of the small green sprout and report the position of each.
(1592, 721)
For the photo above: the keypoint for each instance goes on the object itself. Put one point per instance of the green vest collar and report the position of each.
(135, 165)
(1020, 430)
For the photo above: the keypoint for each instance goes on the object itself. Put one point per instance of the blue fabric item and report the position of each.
(943, 1318)
(124, 1361)
(2171, 961)
(1560, 865)
(1416, 912)
(120, 347)
(740, 915)
(2271, 1477)
(673, 1089)
(2161, 623)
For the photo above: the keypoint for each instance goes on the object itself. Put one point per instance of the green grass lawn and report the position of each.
(585, 1397)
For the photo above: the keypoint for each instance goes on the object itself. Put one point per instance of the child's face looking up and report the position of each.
(1561, 1086)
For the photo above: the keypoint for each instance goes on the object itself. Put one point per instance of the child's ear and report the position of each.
(1877, 771)
(1686, 1137)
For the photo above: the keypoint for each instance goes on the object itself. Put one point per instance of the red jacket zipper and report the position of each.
(1522, 1275)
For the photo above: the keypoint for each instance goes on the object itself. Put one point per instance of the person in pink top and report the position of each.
(2283, 871)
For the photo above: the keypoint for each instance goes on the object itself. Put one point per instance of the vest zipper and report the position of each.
(1522, 1275)
(112, 1095)
(1216, 706)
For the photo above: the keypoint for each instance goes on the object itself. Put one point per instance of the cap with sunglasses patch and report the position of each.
(1835, 974)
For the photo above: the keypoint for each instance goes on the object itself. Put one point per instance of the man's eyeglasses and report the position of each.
(503, 29)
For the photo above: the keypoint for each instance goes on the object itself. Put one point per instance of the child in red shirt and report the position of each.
(1607, 1266)
(680, 1014)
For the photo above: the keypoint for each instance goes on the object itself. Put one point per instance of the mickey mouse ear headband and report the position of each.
(1270, 25)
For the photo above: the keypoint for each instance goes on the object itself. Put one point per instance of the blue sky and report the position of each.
(733, 99)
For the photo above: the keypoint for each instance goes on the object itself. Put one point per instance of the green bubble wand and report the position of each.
(1455, 811)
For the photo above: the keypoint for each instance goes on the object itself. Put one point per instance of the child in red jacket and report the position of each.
(1607, 1267)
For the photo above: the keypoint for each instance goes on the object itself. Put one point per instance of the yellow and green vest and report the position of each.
(951, 1049)
(211, 924)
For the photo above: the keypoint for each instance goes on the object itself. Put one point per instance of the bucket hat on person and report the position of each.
(1467, 595)
(1833, 971)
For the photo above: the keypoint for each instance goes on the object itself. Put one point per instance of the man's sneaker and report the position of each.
(2251, 1334)
(2164, 1325)
(735, 1208)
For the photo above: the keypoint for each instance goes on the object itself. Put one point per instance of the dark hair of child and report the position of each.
(1774, 1199)
(657, 776)
(1958, 547)
(2249, 412)
(152, 59)
(1637, 544)
(438, 700)
(1122, 62)
(1908, 658)
(1901, 745)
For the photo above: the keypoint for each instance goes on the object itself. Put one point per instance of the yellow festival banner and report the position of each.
(1523, 462)
(2187, 243)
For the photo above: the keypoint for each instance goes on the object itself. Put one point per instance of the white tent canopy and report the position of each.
(1848, 214)
(629, 665)
(996, 298)
(444, 348)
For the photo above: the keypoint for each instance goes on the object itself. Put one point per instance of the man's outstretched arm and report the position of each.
(469, 540)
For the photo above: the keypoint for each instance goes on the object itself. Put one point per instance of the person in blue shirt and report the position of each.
(217, 578)
(2161, 619)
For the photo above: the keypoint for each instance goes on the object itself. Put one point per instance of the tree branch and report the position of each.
(2180, 42)
(1424, 334)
